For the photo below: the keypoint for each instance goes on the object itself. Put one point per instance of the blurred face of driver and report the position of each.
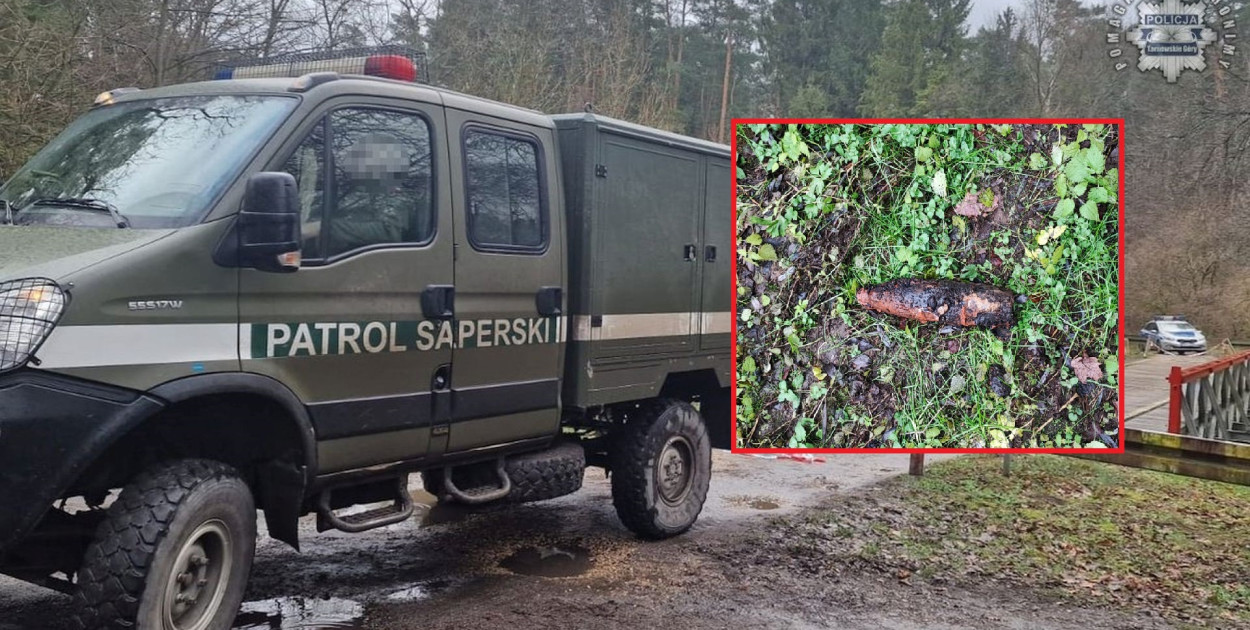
(377, 161)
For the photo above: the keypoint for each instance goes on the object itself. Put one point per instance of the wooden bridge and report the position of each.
(1187, 415)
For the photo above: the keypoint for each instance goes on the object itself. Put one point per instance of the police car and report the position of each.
(1172, 333)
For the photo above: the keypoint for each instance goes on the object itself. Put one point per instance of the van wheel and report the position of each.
(173, 553)
(661, 465)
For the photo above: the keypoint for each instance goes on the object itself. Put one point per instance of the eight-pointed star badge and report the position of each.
(1172, 36)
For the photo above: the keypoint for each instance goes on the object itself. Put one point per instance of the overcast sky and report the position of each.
(983, 12)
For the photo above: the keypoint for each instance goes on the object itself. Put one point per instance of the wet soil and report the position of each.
(725, 572)
(865, 381)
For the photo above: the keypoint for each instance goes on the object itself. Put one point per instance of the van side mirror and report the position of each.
(268, 225)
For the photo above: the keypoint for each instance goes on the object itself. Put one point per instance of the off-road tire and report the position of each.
(633, 455)
(546, 474)
(538, 476)
(128, 565)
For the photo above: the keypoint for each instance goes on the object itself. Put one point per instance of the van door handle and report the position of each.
(438, 301)
(691, 252)
(709, 253)
(549, 301)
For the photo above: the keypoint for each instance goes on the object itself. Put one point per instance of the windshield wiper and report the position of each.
(85, 203)
(8, 211)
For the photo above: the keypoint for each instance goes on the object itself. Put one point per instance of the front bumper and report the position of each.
(1184, 345)
(51, 429)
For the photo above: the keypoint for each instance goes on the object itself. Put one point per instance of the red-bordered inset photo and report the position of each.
(928, 285)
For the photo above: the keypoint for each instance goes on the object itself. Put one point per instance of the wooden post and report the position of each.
(1006, 465)
(1174, 400)
(917, 465)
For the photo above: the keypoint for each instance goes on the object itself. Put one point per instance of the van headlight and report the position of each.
(29, 309)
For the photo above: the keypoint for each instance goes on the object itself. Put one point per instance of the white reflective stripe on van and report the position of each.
(155, 344)
(718, 323)
(638, 325)
(138, 344)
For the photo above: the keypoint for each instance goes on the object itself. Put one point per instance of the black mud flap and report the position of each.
(281, 498)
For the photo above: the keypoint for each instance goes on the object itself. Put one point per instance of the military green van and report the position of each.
(289, 293)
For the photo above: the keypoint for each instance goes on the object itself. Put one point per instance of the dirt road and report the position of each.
(569, 563)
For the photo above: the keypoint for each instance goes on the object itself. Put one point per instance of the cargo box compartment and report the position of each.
(650, 246)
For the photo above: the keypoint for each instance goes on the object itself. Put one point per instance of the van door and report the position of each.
(717, 315)
(509, 277)
(648, 223)
(348, 332)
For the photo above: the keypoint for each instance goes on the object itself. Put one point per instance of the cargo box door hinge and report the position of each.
(601, 170)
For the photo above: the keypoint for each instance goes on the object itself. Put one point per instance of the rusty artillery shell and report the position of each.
(941, 301)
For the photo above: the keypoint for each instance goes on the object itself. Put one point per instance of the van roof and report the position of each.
(350, 84)
(629, 128)
(377, 86)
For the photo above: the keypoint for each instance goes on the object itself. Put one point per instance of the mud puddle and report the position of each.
(550, 562)
(754, 502)
(305, 613)
(419, 591)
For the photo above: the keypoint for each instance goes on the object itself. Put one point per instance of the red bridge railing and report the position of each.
(1211, 400)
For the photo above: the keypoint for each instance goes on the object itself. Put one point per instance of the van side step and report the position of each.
(399, 510)
(479, 494)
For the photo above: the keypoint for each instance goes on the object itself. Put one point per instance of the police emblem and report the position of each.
(1173, 35)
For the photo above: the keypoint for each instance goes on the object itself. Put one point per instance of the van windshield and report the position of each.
(159, 162)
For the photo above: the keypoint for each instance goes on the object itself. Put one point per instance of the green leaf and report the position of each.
(939, 183)
(1077, 171)
(1056, 155)
(933, 432)
(766, 252)
(1096, 161)
(1095, 444)
(958, 382)
(754, 239)
(1064, 208)
(1054, 258)
(1036, 161)
(800, 433)
(748, 365)
(1089, 210)
(1099, 195)
(788, 396)
(1061, 185)
(923, 154)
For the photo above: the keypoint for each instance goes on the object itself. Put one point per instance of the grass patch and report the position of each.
(824, 210)
(1092, 531)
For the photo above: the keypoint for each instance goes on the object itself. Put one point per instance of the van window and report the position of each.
(505, 192)
(378, 182)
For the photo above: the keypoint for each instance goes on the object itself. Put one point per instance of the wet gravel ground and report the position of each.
(569, 563)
